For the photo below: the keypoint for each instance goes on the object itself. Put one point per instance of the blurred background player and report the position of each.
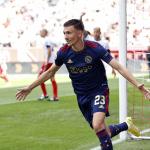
(148, 60)
(97, 38)
(104, 43)
(4, 57)
(49, 60)
(3, 75)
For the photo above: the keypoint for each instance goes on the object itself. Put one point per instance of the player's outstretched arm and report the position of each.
(23, 92)
(126, 74)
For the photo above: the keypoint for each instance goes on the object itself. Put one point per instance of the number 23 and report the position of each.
(99, 99)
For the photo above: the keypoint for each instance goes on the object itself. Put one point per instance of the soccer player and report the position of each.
(49, 60)
(97, 38)
(87, 72)
(4, 57)
(3, 74)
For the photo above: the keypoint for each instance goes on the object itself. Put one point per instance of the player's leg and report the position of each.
(54, 85)
(44, 91)
(54, 88)
(114, 130)
(128, 124)
(43, 86)
(101, 131)
(93, 108)
(3, 75)
(100, 111)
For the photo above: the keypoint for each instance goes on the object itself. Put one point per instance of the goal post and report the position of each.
(122, 60)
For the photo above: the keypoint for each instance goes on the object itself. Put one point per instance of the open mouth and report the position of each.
(68, 42)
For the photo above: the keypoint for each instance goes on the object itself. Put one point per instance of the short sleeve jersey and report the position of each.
(85, 68)
(48, 44)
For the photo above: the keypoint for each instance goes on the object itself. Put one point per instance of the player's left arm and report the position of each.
(126, 74)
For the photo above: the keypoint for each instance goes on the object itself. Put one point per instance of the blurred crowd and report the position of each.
(21, 20)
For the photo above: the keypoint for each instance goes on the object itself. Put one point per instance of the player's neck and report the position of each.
(79, 46)
(98, 39)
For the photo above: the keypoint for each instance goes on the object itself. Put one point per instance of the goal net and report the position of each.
(138, 107)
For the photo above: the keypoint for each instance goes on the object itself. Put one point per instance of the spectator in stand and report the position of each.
(49, 60)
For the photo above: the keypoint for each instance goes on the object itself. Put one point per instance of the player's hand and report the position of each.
(147, 94)
(22, 93)
(145, 91)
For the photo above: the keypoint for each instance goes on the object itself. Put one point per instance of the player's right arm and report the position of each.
(127, 75)
(105, 56)
(22, 93)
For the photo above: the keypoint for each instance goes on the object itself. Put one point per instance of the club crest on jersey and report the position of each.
(88, 59)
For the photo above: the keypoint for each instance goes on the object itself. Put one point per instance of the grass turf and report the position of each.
(36, 125)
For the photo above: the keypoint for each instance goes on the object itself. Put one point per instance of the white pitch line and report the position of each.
(145, 131)
(141, 137)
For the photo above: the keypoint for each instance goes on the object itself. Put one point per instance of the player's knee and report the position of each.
(98, 126)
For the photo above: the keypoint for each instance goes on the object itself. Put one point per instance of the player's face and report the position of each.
(72, 35)
(42, 34)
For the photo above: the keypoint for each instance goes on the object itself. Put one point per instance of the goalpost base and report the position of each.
(142, 137)
(132, 137)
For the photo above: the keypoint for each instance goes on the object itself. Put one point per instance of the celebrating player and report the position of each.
(88, 75)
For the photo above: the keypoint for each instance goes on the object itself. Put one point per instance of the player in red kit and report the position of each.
(4, 57)
(49, 60)
(3, 74)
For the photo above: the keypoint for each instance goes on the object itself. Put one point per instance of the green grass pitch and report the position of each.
(36, 125)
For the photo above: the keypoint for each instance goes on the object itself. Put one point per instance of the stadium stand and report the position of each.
(24, 19)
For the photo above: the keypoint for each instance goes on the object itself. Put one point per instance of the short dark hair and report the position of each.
(78, 24)
(45, 31)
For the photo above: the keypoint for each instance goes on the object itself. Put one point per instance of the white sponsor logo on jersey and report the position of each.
(69, 61)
